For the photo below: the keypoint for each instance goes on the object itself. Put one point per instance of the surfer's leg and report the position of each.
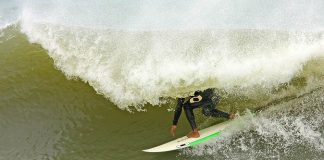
(210, 110)
(190, 117)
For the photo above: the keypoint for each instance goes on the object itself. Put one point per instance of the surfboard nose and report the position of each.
(161, 149)
(149, 150)
(156, 149)
(183, 142)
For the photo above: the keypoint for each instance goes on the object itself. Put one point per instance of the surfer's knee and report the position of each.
(206, 112)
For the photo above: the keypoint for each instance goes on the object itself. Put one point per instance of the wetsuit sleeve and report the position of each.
(178, 111)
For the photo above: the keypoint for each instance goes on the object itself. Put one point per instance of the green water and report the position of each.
(44, 115)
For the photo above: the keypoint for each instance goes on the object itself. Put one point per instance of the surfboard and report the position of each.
(184, 142)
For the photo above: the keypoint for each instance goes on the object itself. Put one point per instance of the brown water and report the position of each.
(44, 115)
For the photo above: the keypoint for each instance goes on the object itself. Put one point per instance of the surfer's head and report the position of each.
(197, 93)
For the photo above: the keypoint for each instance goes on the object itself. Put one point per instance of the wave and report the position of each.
(136, 67)
(135, 54)
(288, 130)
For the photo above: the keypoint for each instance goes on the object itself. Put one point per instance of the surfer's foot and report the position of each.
(232, 116)
(193, 134)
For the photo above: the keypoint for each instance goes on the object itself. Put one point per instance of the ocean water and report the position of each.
(98, 80)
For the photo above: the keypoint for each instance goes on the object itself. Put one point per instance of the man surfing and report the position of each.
(201, 99)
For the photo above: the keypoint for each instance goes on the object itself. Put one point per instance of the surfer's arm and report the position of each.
(178, 111)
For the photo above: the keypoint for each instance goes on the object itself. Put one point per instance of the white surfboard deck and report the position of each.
(184, 142)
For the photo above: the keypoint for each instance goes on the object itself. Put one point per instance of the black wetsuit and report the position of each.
(208, 104)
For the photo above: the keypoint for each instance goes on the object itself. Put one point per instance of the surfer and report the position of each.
(201, 99)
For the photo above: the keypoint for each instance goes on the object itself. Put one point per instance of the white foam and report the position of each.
(135, 63)
(278, 132)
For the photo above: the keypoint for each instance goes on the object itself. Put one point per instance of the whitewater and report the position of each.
(134, 57)
(264, 57)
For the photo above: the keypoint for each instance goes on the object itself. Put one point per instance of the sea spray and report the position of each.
(261, 55)
(290, 130)
(132, 68)
(137, 53)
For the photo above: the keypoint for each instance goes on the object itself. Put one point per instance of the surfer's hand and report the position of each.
(173, 130)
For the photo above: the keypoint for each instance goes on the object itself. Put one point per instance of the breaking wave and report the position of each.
(138, 53)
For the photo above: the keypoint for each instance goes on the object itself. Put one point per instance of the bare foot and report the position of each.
(193, 134)
(232, 116)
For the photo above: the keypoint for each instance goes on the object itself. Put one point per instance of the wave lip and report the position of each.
(133, 63)
(132, 68)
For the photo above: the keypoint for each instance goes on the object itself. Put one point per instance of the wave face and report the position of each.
(137, 52)
(290, 130)
(261, 55)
